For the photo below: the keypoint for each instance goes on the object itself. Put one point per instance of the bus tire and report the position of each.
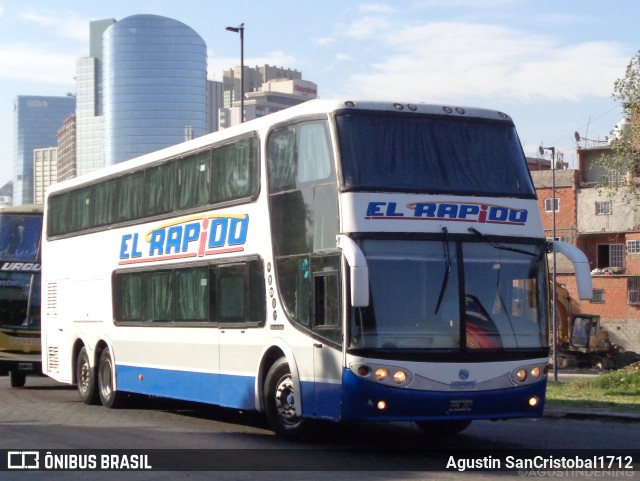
(86, 379)
(444, 428)
(109, 397)
(17, 378)
(280, 405)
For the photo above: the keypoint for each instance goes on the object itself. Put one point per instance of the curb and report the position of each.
(592, 414)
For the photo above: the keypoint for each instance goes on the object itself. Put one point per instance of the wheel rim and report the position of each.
(285, 401)
(105, 378)
(84, 376)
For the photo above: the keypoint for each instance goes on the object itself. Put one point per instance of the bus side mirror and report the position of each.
(358, 270)
(580, 265)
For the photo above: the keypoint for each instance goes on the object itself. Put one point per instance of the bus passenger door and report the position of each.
(327, 352)
(240, 313)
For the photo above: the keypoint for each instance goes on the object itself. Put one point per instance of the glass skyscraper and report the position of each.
(90, 122)
(154, 86)
(36, 120)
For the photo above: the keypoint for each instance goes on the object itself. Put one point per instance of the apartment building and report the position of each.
(606, 226)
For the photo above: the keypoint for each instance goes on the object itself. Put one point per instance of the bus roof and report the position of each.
(23, 209)
(311, 107)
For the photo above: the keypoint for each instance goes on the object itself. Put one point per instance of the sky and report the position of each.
(549, 64)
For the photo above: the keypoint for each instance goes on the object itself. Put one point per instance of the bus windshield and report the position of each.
(20, 270)
(428, 154)
(15, 288)
(419, 302)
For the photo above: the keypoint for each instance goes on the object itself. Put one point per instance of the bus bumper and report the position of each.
(364, 400)
(20, 364)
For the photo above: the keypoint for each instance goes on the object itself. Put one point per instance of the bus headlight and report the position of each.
(528, 374)
(400, 377)
(381, 374)
(392, 376)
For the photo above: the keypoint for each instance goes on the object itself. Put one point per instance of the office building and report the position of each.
(35, 125)
(155, 86)
(253, 80)
(45, 171)
(272, 96)
(89, 119)
(214, 103)
(67, 144)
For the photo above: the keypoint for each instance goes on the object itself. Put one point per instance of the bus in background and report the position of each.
(20, 233)
(337, 260)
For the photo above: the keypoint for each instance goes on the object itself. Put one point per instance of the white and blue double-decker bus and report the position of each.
(338, 260)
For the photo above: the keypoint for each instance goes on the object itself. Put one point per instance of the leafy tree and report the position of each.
(624, 158)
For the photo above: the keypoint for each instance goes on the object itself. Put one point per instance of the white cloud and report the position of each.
(367, 27)
(26, 63)
(65, 26)
(376, 8)
(343, 57)
(324, 41)
(437, 61)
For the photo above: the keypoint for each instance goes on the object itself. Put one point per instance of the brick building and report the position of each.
(607, 229)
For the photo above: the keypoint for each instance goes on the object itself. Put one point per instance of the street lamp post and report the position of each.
(553, 287)
(240, 29)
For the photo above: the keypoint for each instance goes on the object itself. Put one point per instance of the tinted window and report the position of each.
(432, 155)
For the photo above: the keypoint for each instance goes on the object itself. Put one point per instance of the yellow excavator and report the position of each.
(582, 341)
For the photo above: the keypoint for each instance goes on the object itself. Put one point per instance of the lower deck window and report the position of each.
(230, 294)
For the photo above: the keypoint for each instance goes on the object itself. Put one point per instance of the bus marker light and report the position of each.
(521, 375)
(533, 401)
(381, 374)
(140, 377)
(363, 370)
(382, 405)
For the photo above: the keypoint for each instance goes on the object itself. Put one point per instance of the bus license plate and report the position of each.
(459, 405)
(25, 366)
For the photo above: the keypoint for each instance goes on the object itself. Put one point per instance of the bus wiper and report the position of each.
(447, 270)
(500, 246)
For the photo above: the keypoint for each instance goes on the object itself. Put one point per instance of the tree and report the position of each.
(623, 161)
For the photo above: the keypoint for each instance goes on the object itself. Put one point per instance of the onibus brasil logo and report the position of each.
(194, 236)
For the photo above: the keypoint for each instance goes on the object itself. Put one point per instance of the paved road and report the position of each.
(47, 415)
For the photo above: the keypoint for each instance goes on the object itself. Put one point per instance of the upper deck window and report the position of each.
(20, 237)
(432, 154)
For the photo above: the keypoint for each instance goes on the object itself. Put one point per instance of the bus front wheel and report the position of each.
(86, 378)
(280, 404)
(109, 397)
(17, 378)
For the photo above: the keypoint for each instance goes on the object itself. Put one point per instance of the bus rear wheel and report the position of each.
(280, 404)
(444, 428)
(86, 378)
(109, 397)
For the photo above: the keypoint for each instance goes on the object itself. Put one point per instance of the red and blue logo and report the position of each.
(195, 236)
(448, 211)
